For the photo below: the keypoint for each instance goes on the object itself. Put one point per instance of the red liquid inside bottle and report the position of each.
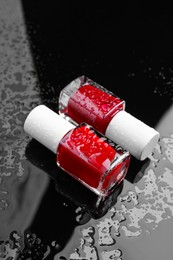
(93, 106)
(82, 152)
(89, 158)
(83, 100)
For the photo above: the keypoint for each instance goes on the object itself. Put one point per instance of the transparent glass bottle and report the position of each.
(91, 204)
(83, 100)
(82, 152)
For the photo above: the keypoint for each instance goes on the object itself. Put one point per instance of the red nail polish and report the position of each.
(83, 100)
(84, 153)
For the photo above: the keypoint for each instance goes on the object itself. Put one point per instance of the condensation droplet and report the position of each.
(3, 204)
(138, 211)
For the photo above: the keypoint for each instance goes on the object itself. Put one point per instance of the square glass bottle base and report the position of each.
(84, 100)
(92, 159)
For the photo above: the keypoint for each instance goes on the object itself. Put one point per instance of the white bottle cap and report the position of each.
(132, 134)
(46, 126)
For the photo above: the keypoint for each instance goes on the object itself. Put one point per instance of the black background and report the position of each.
(108, 42)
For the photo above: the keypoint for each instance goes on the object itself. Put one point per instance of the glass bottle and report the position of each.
(68, 189)
(82, 152)
(83, 100)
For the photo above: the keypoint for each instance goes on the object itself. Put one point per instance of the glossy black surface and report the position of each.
(127, 49)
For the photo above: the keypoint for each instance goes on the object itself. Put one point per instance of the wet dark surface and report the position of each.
(44, 214)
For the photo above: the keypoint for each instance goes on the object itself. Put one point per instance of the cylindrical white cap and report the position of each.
(132, 134)
(46, 126)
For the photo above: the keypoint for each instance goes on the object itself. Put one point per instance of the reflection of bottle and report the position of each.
(85, 101)
(89, 202)
(67, 187)
(85, 154)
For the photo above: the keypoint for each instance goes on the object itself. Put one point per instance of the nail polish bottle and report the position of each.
(83, 100)
(68, 189)
(82, 152)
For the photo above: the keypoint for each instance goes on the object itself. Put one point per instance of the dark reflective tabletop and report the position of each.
(128, 49)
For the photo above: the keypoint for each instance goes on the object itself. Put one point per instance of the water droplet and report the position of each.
(1, 180)
(3, 204)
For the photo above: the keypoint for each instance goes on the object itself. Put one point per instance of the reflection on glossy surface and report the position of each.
(132, 58)
(23, 199)
(20, 190)
(137, 217)
(89, 202)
